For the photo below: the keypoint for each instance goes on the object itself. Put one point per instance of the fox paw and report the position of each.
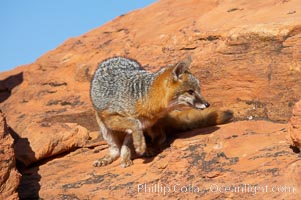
(126, 163)
(140, 149)
(102, 162)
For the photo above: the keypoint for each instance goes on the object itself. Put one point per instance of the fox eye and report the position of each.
(191, 92)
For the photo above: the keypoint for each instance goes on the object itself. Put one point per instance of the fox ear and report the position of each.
(180, 68)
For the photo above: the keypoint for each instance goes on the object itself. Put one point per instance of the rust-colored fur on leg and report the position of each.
(121, 133)
(184, 120)
(192, 119)
(130, 126)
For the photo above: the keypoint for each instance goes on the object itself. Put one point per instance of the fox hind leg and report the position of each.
(114, 148)
(107, 159)
(114, 151)
(130, 126)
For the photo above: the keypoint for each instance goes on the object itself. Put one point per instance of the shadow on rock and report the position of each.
(29, 187)
(8, 84)
(171, 137)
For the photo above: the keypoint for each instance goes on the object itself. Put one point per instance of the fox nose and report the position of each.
(207, 104)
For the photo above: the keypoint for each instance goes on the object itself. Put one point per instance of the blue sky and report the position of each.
(30, 28)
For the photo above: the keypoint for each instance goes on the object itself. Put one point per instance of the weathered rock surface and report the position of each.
(245, 155)
(247, 56)
(250, 63)
(295, 126)
(42, 142)
(9, 176)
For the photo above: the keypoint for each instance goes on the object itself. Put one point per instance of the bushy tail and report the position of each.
(192, 119)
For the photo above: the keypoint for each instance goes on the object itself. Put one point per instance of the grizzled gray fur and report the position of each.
(118, 83)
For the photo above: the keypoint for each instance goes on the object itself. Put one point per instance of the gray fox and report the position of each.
(130, 102)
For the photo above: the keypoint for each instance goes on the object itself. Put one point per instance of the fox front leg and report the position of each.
(125, 152)
(130, 126)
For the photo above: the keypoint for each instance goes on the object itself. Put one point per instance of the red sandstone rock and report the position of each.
(43, 142)
(9, 176)
(295, 125)
(247, 57)
(240, 154)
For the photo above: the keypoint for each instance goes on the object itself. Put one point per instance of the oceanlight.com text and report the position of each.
(214, 188)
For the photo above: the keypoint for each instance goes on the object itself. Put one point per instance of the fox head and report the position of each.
(173, 88)
(186, 86)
